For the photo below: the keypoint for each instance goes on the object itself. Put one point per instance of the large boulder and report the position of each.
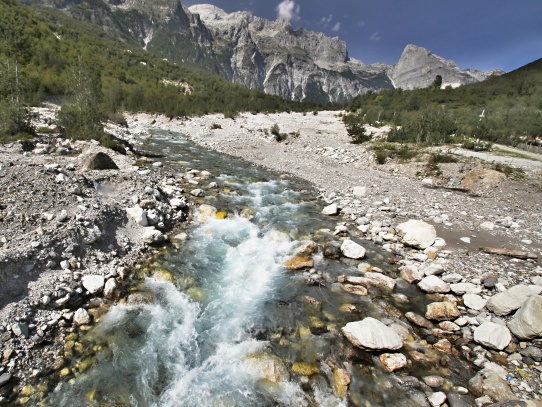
(489, 383)
(417, 233)
(99, 161)
(492, 335)
(527, 323)
(138, 215)
(371, 334)
(513, 298)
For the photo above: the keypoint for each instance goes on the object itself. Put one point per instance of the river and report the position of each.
(229, 325)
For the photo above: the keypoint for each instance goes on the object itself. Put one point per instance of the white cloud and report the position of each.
(326, 20)
(336, 27)
(375, 36)
(288, 10)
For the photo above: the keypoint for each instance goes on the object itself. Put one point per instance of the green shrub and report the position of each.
(438, 158)
(381, 156)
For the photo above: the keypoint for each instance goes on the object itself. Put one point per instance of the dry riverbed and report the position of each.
(68, 242)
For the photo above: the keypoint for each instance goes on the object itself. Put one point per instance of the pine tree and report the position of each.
(80, 117)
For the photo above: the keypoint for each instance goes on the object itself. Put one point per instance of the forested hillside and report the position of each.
(503, 109)
(43, 54)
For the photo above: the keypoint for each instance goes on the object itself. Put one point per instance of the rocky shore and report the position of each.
(71, 235)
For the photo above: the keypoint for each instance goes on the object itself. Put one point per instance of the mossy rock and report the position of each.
(305, 369)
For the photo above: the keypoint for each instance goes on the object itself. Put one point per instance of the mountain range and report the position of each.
(270, 56)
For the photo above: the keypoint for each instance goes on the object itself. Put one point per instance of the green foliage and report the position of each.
(275, 130)
(508, 170)
(439, 158)
(499, 110)
(49, 44)
(437, 83)
(355, 128)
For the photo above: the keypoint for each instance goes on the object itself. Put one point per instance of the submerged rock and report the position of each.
(268, 367)
(299, 263)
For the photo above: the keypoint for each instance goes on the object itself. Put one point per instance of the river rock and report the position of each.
(417, 233)
(436, 399)
(492, 335)
(474, 301)
(489, 383)
(93, 283)
(109, 288)
(197, 193)
(352, 250)
(465, 288)
(441, 311)
(419, 320)
(299, 263)
(178, 203)
(370, 279)
(331, 210)
(393, 361)
(81, 317)
(371, 334)
(359, 192)
(433, 284)
(411, 274)
(510, 300)
(206, 212)
(151, 235)
(4, 378)
(354, 289)
(307, 248)
(269, 367)
(99, 161)
(341, 380)
(20, 329)
(433, 381)
(527, 322)
(138, 215)
(433, 269)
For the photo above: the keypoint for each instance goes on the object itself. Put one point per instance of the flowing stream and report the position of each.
(232, 322)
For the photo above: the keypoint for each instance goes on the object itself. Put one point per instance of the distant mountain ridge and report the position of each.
(271, 56)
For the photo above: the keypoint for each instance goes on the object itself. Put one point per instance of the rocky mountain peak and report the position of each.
(418, 68)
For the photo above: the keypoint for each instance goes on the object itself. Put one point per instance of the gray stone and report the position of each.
(474, 301)
(359, 192)
(419, 320)
(433, 284)
(109, 288)
(93, 283)
(433, 269)
(441, 311)
(99, 161)
(331, 210)
(197, 193)
(527, 322)
(151, 235)
(433, 381)
(81, 317)
(465, 288)
(371, 334)
(492, 335)
(510, 300)
(4, 378)
(437, 399)
(488, 383)
(352, 250)
(20, 329)
(417, 233)
(138, 215)
(459, 400)
(411, 274)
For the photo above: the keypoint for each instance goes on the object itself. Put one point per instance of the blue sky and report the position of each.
(482, 34)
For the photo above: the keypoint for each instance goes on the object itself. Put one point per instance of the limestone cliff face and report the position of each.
(418, 68)
(295, 64)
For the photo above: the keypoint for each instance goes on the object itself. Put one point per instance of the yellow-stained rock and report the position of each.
(269, 367)
(65, 372)
(341, 380)
(221, 215)
(163, 275)
(27, 391)
(305, 369)
(299, 263)
(92, 395)
(196, 293)
(72, 337)
(85, 364)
